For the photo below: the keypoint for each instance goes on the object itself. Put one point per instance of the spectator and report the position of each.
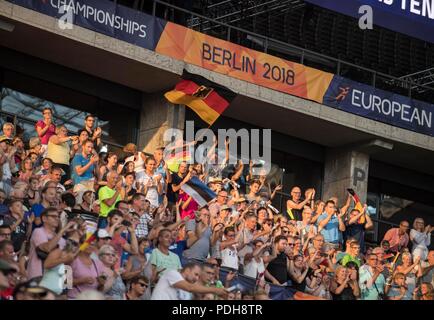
(44, 240)
(138, 288)
(178, 285)
(110, 194)
(356, 225)
(412, 272)
(188, 205)
(20, 224)
(84, 167)
(424, 292)
(48, 200)
(371, 279)
(8, 130)
(198, 236)
(295, 205)
(141, 206)
(138, 158)
(94, 134)
(344, 285)
(420, 235)
(398, 237)
(88, 273)
(162, 259)
(152, 183)
(398, 289)
(277, 270)
(26, 170)
(221, 200)
(7, 163)
(45, 128)
(35, 151)
(330, 224)
(114, 287)
(428, 269)
(54, 264)
(353, 255)
(111, 165)
(59, 151)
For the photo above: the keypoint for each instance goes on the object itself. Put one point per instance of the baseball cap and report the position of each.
(102, 234)
(225, 207)
(241, 199)
(3, 138)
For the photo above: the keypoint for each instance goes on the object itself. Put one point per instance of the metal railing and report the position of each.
(389, 82)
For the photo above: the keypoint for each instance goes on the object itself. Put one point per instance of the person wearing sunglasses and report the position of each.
(138, 287)
(371, 279)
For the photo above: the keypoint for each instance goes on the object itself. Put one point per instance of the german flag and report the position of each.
(358, 205)
(208, 99)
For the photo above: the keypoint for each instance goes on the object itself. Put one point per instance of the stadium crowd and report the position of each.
(76, 223)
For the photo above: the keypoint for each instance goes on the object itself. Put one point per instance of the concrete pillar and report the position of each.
(345, 169)
(158, 115)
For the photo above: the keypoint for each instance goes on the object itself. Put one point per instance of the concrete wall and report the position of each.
(158, 115)
(345, 169)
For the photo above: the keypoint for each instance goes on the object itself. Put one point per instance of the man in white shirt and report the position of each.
(175, 285)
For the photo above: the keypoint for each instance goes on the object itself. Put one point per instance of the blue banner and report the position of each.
(412, 17)
(380, 105)
(104, 17)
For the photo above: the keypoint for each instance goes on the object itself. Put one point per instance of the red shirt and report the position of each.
(47, 135)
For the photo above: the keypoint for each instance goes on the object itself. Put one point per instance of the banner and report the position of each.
(412, 17)
(242, 63)
(103, 17)
(380, 105)
(257, 67)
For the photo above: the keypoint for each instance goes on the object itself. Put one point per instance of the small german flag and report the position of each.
(358, 205)
(208, 99)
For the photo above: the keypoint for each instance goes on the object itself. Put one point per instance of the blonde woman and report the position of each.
(59, 150)
(412, 270)
(420, 235)
(344, 285)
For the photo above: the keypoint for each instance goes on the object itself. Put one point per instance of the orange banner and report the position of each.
(242, 63)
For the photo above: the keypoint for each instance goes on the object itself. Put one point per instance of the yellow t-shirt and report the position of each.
(59, 153)
(103, 194)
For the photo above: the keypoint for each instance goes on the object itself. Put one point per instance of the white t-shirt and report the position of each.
(229, 256)
(152, 194)
(164, 289)
(253, 268)
(139, 165)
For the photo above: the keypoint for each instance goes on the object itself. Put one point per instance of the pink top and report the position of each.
(395, 240)
(80, 270)
(47, 135)
(191, 208)
(39, 236)
(118, 242)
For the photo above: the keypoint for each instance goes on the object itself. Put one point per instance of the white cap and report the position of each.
(102, 233)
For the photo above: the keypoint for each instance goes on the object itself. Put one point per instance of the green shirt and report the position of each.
(347, 258)
(162, 261)
(103, 194)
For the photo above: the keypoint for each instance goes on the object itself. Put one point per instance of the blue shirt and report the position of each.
(178, 247)
(79, 160)
(330, 231)
(37, 209)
